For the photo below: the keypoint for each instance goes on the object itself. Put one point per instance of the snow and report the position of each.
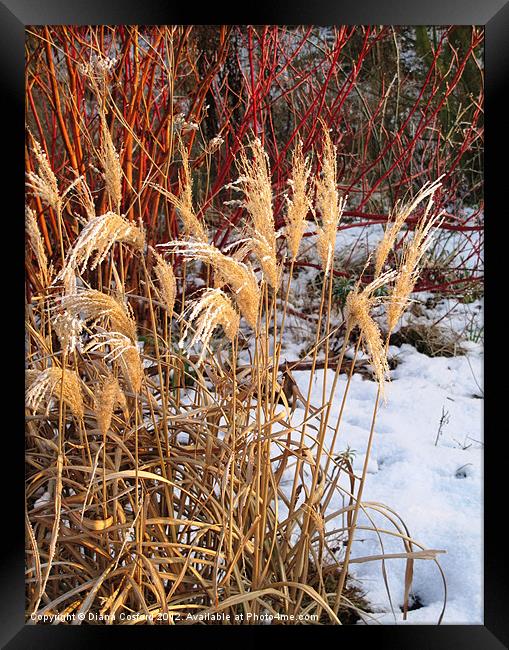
(435, 486)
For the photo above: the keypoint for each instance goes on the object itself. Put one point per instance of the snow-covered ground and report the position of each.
(435, 486)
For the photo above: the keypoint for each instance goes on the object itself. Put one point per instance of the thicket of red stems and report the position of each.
(404, 106)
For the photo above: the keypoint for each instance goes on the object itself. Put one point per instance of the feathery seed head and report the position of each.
(108, 396)
(44, 182)
(408, 274)
(98, 70)
(36, 242)
(84, 196)
(68, 328)
(193, 227)
(54, 382)
(254, 182)
(110, 162)
(328, 203)
(399, 216)
(359, 304)
(123, 352)
(212, 309)
(300, 203)
(228, 270)
(99, 235)
(214, 144)
(167, 283)
(92, 305)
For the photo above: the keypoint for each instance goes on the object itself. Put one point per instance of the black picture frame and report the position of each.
(494, 15)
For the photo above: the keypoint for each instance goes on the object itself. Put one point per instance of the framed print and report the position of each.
(254, 323)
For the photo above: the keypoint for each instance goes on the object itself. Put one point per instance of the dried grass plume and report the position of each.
(300, 203)
(239, 276)
(359, 304)
(256, 186)
(212, 309)
(409, 266)
(92, 305)
(122, 352)
(51, 383)
(44, 182)
(110, 162)
(108, 396)
(193, 227)
(167, 283)
(37, 243)
(398, 218)
(98, 236)
(328, 203)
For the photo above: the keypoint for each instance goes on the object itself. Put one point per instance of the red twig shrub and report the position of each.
(404, 105)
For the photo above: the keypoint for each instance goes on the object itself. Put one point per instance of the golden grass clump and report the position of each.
(212, 309)
(92, 305)
(255, 184)
(108, 396)
(328, 203)
(47, 384)
(44, 182)
(203, 495)
(193, 227)
(167, 283)
(239, 276)
(99, 235)
(359, 304)
(399, 215)
(300, 203)
(110, 162)
(37, 243)
(408, 271)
